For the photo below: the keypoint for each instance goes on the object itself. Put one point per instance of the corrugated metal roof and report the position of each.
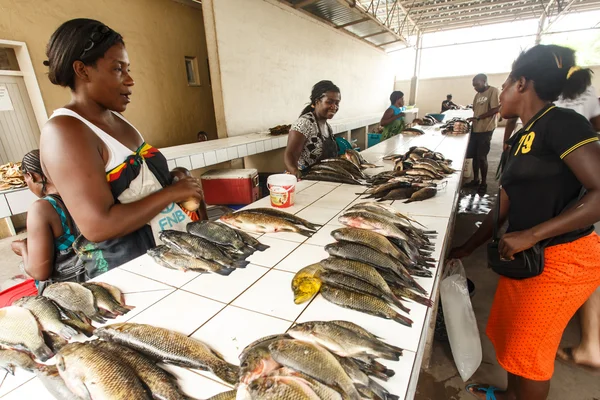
(382, 22)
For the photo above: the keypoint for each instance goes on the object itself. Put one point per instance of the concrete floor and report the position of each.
(441, 381)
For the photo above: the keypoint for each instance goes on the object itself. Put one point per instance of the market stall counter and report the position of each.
(229, 312)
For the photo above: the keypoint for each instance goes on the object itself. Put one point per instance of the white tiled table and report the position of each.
(230, 312)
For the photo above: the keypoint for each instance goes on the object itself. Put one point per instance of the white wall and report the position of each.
(431, 92)
(271, 55)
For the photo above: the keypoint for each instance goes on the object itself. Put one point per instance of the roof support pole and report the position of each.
(542, 22)
(414, 82)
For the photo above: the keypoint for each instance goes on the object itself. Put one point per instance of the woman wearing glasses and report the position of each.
(108, 177)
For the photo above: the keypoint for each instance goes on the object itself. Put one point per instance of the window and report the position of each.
(8, 59)
(191, 69)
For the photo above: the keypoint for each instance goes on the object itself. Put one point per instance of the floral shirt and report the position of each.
(313, 148)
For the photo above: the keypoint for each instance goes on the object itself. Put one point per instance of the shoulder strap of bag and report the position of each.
(497, 216)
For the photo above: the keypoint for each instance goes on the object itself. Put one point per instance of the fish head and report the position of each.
(109, 331)
(228, 218)
(258, 362)
(302, 331)
(158, 251)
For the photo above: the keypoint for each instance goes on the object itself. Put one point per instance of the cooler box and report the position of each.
(230, 186)
(12, 294)
(373, 139)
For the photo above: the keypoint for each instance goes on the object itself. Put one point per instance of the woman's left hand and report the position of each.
(19, 246)
(515, 242)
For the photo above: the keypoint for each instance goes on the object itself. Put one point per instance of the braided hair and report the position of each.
(31, 165)
(318, 91)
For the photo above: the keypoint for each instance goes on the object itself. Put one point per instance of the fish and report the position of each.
(197, 247)
(322, 391)
(157, 253)
(262, 223)
(362, 302)
(75, 322)
(347, 165)
(306, 283)
(273, 388)
(331, 168)
(92, 373)
(423, 194)
(106, 301)
(19, 330)
(371, 239)
(399, 194)
(342, 341)
(10, 359)
(429, 168)
(359, 330)
(54, 342)
(52, 381)
(286, 216)
(406, 293)
(385, 207)
(228, 395)
(256, 359)
(76, 298)
(170, 347)
(421, 173)
(376, 285)
(114, 292)
(370, 221)
(403, 222)
(364, 254)
(161, 384)
(361, 160)
(184, 262)
(352, 157)
(315, 362)
(388, 186)
(217, 233)
(251, 241)
(47, 314)
(365, 385)
(330, 177)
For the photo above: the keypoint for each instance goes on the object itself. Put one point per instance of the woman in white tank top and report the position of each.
(92, 154)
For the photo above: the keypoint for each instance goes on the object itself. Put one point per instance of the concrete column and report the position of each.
(414, 82)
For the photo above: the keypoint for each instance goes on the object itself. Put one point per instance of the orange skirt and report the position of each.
(528, 316)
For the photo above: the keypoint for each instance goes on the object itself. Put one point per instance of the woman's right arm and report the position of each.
(73, 162)
(389, 117)
(293, 151)
(485, 231)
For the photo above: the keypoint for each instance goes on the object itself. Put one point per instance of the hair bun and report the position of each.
(46, 63)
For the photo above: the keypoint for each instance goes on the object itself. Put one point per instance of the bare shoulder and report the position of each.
(41, 210)
(65, 127)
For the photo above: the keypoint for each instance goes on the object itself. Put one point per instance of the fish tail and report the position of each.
(98, 318)
(123, 309)
(83, 327)
(43, 353)
(241, 264)
(401, 319)
(312, 226)
(380, 391)
(108, 314)
(67, 332)
(398, 303)
(387, 352)
(408, 201)
(305, 232)
(261, 247)
(413, 284)
(227, 372)
(224, 271)
(10, 369)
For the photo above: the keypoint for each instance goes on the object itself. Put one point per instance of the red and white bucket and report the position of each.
(282, 188)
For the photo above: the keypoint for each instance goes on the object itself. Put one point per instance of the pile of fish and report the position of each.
(413, 131)
(269, 220)
(456, 126)
(372, 265)
(315, 360)
(346, 169)
(206, 247)
(412, 178)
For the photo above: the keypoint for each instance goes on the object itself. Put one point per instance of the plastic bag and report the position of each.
(459, 317)
(468, 169)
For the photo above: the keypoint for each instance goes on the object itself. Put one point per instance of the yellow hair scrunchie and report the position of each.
(572, 71)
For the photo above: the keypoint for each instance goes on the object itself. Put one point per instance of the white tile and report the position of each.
(335, 202)
(316, 189)
(276, 252)
(194, 384)
(10, 382)
(222, 155)
(268, 145)
(283, 141)
(184, 162)
(226, 288)
(398, 384)
(242, 150)
(275, 143)
(303, 256)
(317, 215)
(232, 153)
(33, 389)
(197, 161)
(130, 283)
(234, 328)
(303, 185)
(323, 236)
(4, 208)
(146, 266)
(171, 164)
(260, 147)
(210, 158)
(389, 330)
(141, 301)
(272, 295)
(251, 148)
(180, 311)
(20, 200)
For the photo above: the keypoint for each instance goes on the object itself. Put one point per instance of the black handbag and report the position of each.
(526, 264)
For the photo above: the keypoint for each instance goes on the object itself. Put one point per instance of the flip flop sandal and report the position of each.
(472, 184)
(489, 391)
(568, 359)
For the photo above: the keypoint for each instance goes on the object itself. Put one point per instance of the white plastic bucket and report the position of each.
(282, 188)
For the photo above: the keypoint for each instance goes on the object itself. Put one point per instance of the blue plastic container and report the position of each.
(373, 139)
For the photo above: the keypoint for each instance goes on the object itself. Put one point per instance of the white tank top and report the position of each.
(117, 152)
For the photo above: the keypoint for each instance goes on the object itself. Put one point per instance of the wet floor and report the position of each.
(471, 202)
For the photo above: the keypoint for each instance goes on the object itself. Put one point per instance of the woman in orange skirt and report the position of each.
(551, 160)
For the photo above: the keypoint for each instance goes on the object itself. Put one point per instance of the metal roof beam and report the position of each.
(474, 16)
(347, 3)
(304, 3)
(488, 7)
(437, 6)
(386, 43)
(358, 21)
(472, 23)
(373, 34)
